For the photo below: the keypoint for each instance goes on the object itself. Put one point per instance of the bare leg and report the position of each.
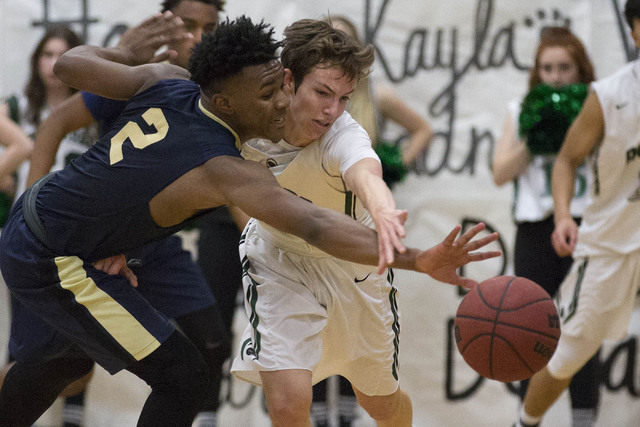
(393, 410)
(543, 391)
(289, 396)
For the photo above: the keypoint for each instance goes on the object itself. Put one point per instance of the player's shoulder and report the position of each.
(155, 73)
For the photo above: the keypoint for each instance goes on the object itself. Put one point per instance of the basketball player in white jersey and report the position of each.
(597, 297)
(313, 315)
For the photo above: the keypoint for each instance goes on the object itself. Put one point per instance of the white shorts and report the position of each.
(317, 313)
(595, 302)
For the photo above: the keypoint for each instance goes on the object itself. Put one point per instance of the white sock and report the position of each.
(585, 417)
(320, 412)
(525, 419)
(206, 419)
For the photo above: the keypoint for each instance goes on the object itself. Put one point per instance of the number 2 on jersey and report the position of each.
(140, 140)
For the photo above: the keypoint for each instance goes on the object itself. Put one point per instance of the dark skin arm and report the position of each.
(232, 181)
(253, 189)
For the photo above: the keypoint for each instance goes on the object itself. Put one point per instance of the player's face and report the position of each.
(319, 101)
(198, 18)
(557, 67)
(259, 102)
(52, 50)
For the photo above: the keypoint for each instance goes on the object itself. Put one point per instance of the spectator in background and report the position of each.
(371, 104)
(525, 154)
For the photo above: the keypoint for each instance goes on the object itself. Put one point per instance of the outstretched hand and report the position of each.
(442, 261)
(117, 264)
(144, 40)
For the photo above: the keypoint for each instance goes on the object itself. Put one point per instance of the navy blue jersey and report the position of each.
(99, 205)
(105, 111)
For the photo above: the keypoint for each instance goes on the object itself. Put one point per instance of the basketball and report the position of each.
(507, 328)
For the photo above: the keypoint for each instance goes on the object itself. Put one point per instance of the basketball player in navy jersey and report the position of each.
(170, 157)
(161, 264)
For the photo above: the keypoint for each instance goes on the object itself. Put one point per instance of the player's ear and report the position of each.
(222, 103)
(288, 80)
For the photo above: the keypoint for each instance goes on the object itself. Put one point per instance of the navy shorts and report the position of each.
(63, 306)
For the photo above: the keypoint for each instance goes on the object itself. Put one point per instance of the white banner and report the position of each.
(458, 63)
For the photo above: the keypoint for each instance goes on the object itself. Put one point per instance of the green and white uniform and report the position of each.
(597, 297)
(307, 309)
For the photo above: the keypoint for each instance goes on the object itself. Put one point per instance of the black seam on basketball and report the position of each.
(504, 295)
(510, 325)
(515, 351)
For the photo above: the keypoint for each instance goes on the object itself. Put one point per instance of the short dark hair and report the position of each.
(170, 4)
(631, 10)
(234, 45)
(310, 42)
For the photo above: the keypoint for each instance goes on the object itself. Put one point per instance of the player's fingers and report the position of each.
(470, 234)
(164, 56)
(476, 244)
(128, 273)
(99, 265)
(116, 264)
(481, 256)
(468, 283)
(451, 237)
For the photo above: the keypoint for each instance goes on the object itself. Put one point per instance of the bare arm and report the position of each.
(18, 147)
(141, 42)
(396, 110)
(69, 116)
(252, 188)
(583, 136)
(511, 156)
(107, 71)
(364, 178)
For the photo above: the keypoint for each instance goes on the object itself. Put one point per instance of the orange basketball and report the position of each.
(507, 328)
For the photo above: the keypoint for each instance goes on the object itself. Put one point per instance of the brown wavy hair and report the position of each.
(309, 42)
(563, 37)
(35, 90)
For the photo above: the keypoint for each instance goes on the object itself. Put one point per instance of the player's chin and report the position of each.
(275, 131)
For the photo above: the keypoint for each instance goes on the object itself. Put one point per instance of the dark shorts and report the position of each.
(63, 306)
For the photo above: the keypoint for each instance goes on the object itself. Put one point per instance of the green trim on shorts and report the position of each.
(573, 307)
(396, 323)
(252, 298)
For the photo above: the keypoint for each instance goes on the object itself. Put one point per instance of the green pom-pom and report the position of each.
(5, 206)
(547, 113)
(393, 170)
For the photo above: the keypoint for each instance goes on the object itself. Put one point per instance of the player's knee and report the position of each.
(381, 408)
(571, 355)
(289, 407)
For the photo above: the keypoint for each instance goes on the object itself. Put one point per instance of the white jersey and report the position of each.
(608, 225)
(533, 200)
(315, 174)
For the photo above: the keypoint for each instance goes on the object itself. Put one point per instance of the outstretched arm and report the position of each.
(442, 261)
(252, 188)
(364, 178)
(107, 71)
